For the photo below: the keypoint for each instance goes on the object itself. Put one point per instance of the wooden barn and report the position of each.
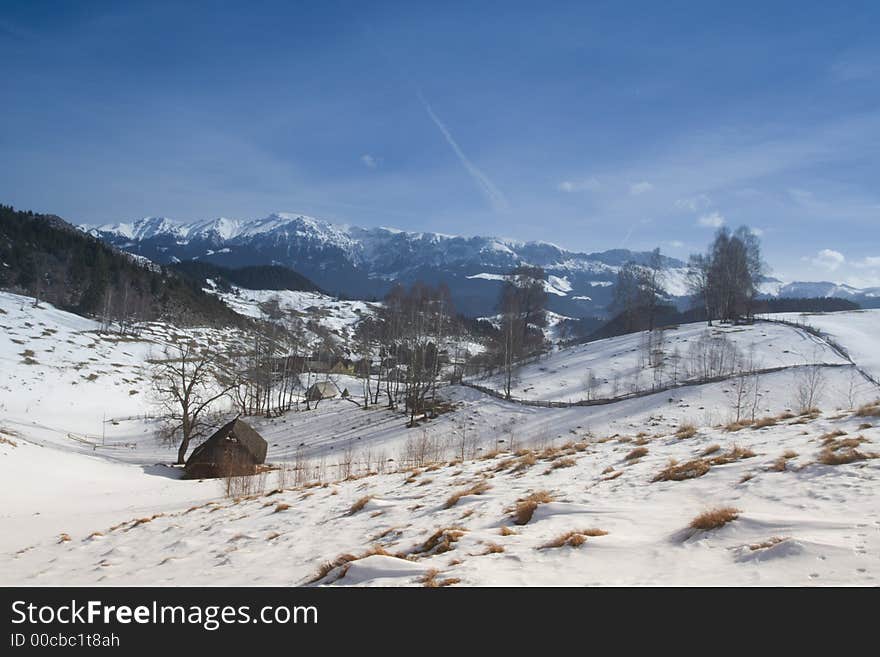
(234, 449)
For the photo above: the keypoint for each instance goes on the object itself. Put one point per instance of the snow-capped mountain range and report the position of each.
(365, 262)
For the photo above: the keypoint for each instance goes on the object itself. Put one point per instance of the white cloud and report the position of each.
(759, 232)
(694, 203)
(675, 244)
(639, 188)
(586, 185)
(369, 161)
(829, 259)
(869, 262)
(711, 220)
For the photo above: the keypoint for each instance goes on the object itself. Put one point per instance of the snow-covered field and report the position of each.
(855, 330)
(92, 501)
(336, 316)
(620, 364)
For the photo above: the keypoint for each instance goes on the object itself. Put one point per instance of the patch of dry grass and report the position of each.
(359, 505)
(565, 462)
(869, 410)
(780, 464)
(574, 538)
(441, 541)
(843, 456)
(493, 548)
(735, 453)
(526, 461)
(675, 471)
(525, 507)
(732, 427)
(637, 453)
(769, 543)
(430, 580)
(477, 489)
(711, 449)
(343, 561)
(506, 531)
(687, 430)
(714, 518)
(763, 422)
(281, 506)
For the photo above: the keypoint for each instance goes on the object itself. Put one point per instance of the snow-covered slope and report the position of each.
(600, 519)
(317, 313)
(81, 506)
(625, 364)
(856, 331)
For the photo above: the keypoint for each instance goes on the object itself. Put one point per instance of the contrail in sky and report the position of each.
(494, 195)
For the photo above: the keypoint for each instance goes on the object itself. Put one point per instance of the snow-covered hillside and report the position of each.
(94, 501)
(591, 511)
(856, 331)
(318, 313)
(622, 365)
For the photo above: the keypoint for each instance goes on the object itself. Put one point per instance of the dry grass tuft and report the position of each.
(526, 461)
(865, 425)
(477, 489)
(637, 453)
(765, 422)
(781, 462)
(64, 538)
(342, 562)
(843, 456)
(506, 531)
(715, 518)
(613, 475)
(493, 548)
(735, 426)
(359, 505)
(574, 538)
(525, 507)
(566, 462)
(748, 476)
(675, 471)
(869, 410)
(830, 437)
(7, 441)
(686, 430)
(734, 454)
(839, 451)
(281, 506)
(440, 541)
(429, 580)
(711, 449)
(769, 543)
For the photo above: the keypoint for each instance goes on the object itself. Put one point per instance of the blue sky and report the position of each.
(591, 125)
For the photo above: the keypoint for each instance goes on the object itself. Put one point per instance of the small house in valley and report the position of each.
(234, 449)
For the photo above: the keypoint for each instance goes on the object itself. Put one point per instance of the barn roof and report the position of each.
(238, 431)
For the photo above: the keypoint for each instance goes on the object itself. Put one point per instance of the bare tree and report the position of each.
(809, 387)
(188, 381)
(522, 304)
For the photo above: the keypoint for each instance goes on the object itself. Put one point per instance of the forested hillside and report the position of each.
(45, 257)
